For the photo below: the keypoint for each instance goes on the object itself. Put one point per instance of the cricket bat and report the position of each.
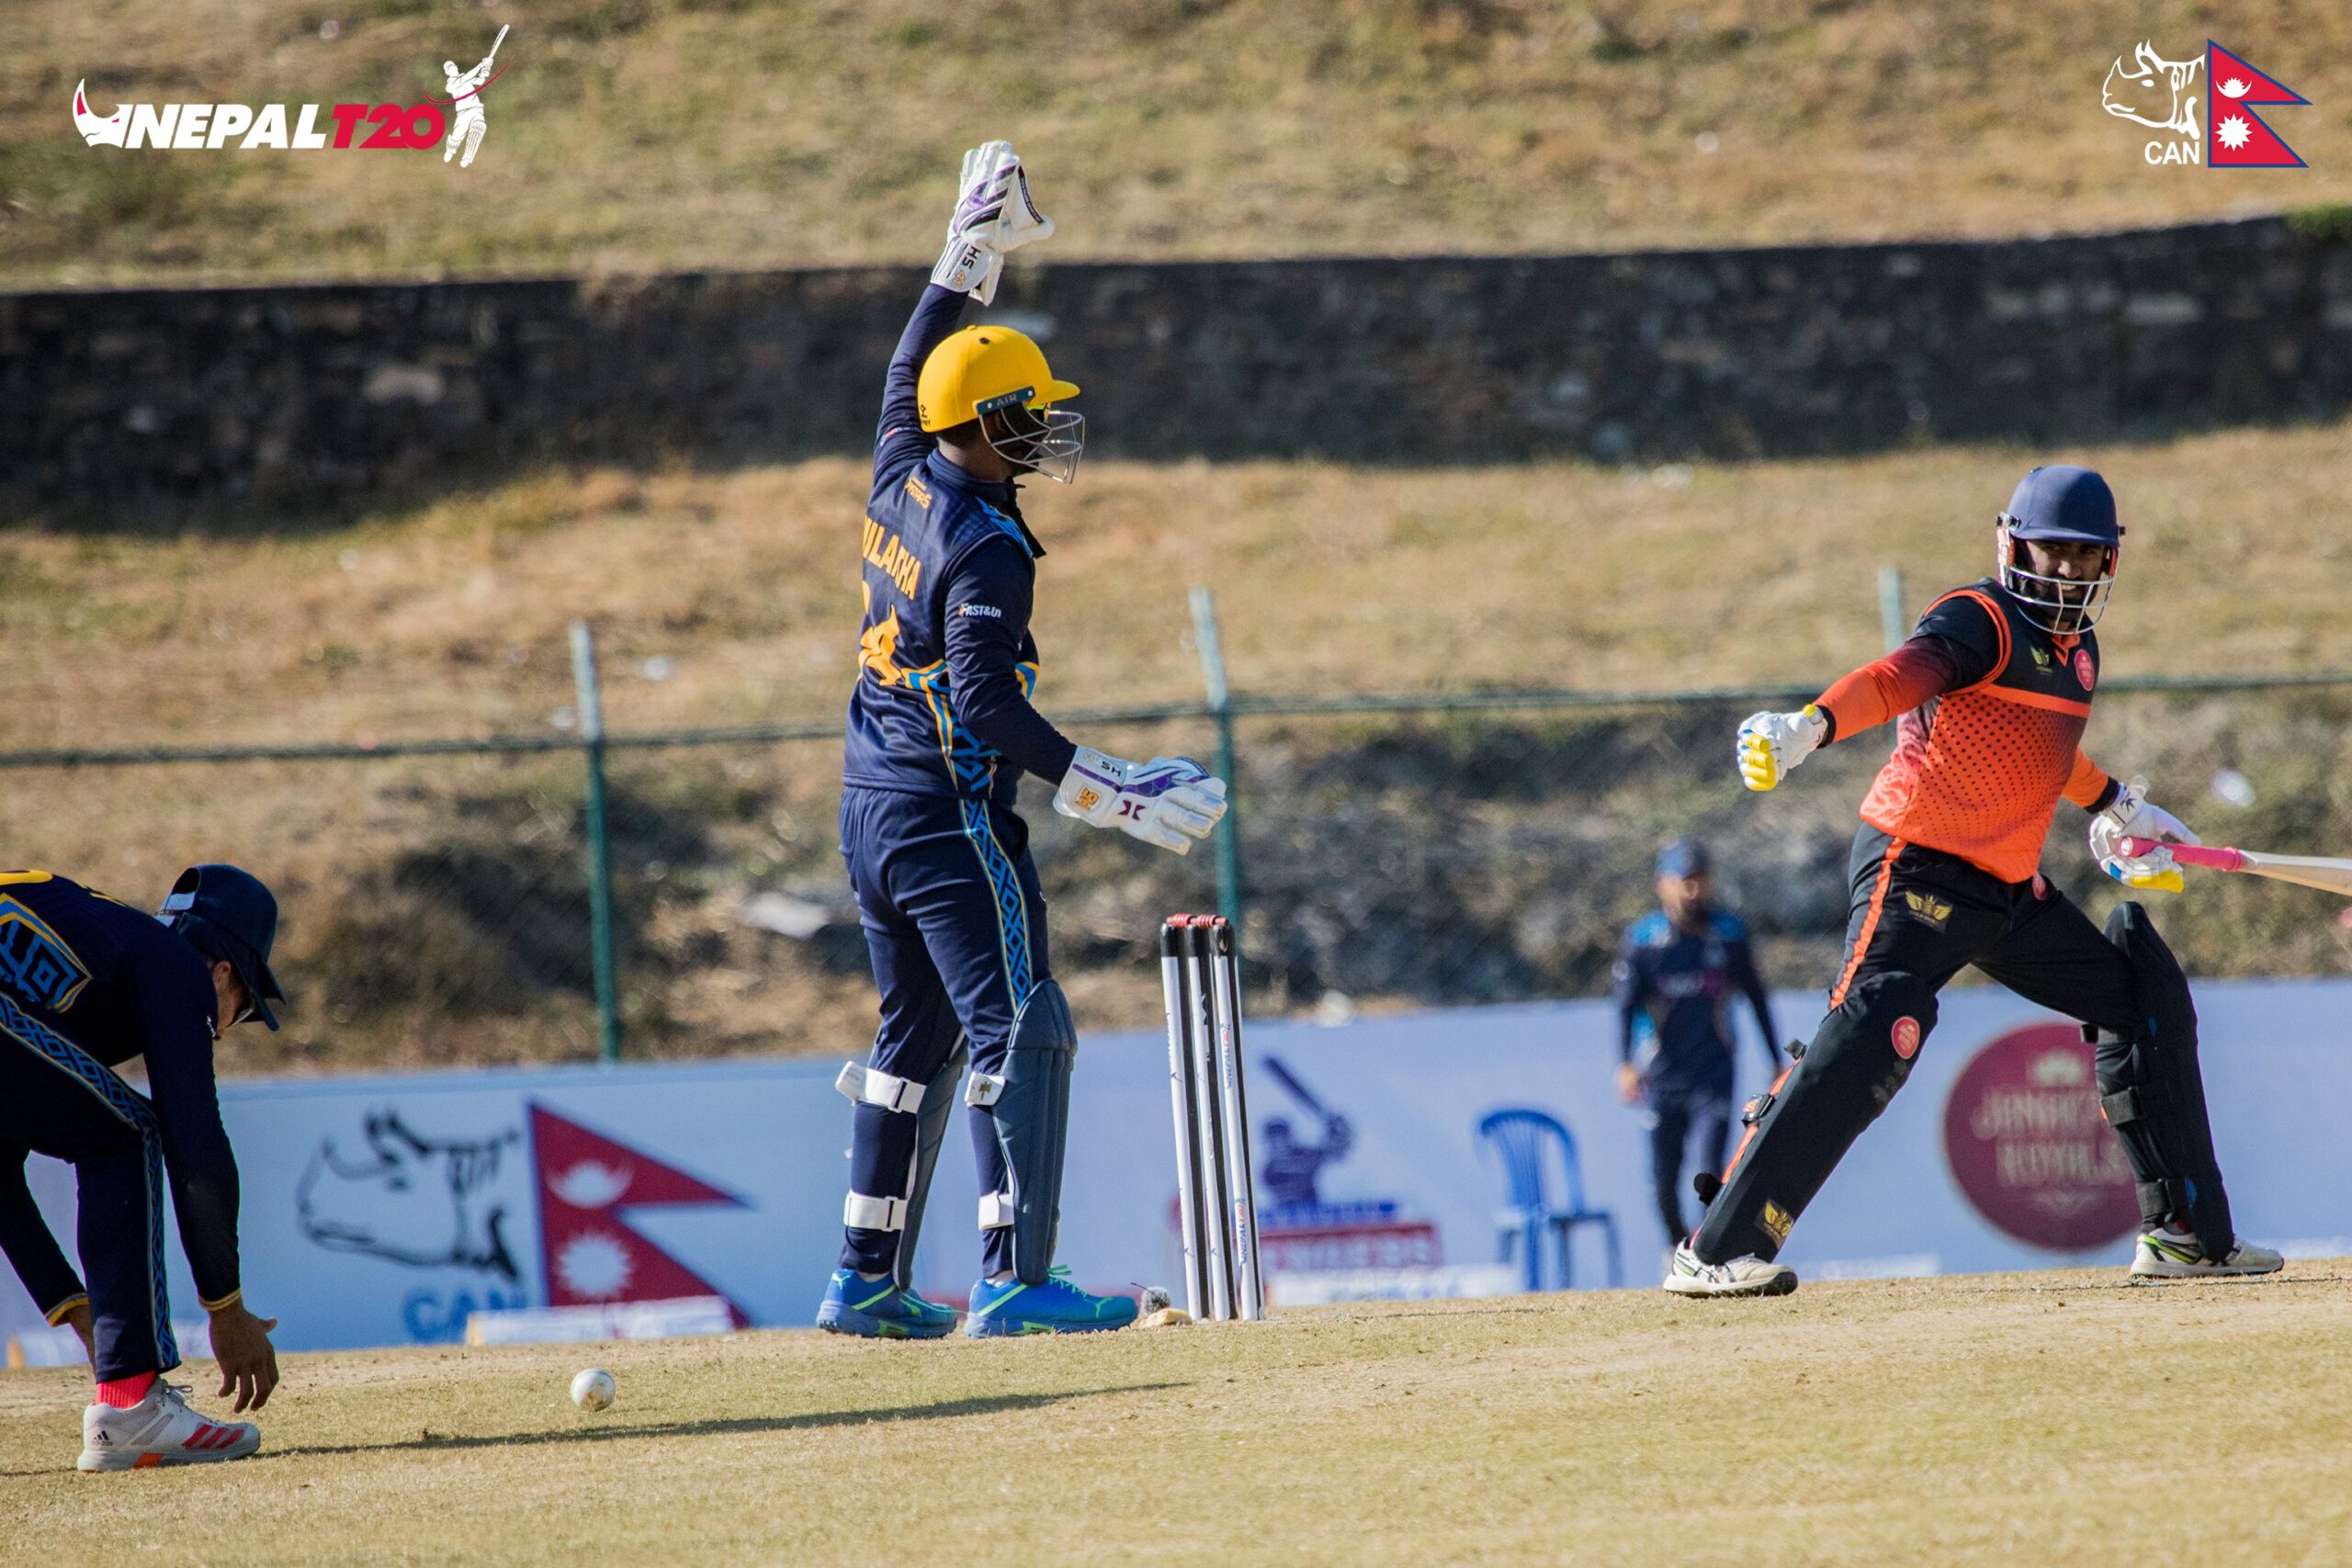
(500, 38)
(2303, 871)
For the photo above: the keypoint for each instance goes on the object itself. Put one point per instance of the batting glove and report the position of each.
(1772, 743)
(2129, 816)
(1168, 801)
(994, 216)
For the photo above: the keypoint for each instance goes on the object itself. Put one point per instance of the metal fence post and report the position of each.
(1892, 623)
(600, 860)
(1228, 832)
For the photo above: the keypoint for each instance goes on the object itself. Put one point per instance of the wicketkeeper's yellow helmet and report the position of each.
(982, 370)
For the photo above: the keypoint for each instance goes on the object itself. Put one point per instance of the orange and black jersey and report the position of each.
(1989, 713)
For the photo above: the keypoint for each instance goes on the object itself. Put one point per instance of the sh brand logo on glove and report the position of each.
(302, 128)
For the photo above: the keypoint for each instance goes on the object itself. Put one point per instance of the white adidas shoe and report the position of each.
(160, 1429)
(2170, 1253)
(1749, 1276)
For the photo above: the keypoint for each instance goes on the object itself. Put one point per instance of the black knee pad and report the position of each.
(2152, 1089)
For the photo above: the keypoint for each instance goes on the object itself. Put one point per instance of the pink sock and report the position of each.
(124, 1392)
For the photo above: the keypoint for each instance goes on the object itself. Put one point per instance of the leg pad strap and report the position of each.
(866, 1086)
(870, 1213)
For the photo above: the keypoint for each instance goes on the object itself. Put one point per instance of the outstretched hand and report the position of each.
(248, 1361)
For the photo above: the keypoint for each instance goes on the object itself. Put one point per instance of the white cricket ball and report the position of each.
(593, 1389)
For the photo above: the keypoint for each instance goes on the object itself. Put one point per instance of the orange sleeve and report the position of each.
(2086, 786)
(1883, 689)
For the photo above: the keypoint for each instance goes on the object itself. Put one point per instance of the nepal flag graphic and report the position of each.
(2235, 137)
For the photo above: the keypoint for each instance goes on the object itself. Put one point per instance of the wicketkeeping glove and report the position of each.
(1168, 801)
(994, 217)
(2129, 816)
(1772, 743)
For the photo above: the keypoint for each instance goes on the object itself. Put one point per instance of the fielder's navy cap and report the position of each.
(1683, 857)
(227, 915)
(2061, 502)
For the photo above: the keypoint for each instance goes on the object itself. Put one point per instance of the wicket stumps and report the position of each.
(1216, 1189)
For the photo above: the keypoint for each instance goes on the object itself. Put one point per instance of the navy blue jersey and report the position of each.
(1674, 992)
(946, 666)
(83, 977)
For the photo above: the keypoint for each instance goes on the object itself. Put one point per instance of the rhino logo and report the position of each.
(99, 130)
(425, 1203)
(2150, 83)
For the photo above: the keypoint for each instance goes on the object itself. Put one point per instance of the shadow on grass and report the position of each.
(989, 1404)
(431, 1441)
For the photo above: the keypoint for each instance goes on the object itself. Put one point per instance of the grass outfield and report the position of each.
(632, 134)
(2046, 1418)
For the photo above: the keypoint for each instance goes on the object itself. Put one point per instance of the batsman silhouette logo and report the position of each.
(2218, 128)
(456, 124)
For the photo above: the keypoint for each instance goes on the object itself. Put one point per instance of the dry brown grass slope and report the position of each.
(450, 618)
(2055, 1419)
(633, 134)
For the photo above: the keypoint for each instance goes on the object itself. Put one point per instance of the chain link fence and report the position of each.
(1388, 852)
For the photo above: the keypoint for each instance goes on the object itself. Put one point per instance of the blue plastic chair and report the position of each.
(1520, 1134)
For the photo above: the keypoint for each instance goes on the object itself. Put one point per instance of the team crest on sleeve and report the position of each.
(34, 960)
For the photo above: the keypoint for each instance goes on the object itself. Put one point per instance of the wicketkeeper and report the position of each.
(87, 984)
(941, 729)
(1990, 697)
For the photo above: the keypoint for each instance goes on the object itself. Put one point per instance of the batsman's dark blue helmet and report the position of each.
(2058, 503)
(2061, 502)
(228, 916)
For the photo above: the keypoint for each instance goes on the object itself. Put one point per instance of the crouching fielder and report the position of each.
(87, 984)
(940, 731)
(1990, 697)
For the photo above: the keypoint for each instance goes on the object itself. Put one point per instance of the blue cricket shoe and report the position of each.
(878, 1309)
(1055, 1307)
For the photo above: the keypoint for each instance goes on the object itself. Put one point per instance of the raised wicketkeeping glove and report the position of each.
(1772, 743)
(1168, 801)
(994, 217)
(2129, 816)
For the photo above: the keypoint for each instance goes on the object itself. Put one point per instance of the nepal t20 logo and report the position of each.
(456, 124)
(2218, 128)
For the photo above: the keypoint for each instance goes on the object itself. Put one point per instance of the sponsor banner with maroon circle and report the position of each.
(385, 1209)
(2029, 1147)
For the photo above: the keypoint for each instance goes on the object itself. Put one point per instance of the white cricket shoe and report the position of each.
(2170, 1253)
(160, 1429)
(1749, 1276)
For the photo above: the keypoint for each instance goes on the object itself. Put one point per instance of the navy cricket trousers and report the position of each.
(58, 1099)
(955, 927)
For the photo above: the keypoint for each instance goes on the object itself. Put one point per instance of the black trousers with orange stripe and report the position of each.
(1919, 917)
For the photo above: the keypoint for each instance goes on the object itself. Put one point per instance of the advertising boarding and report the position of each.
(385, 1209)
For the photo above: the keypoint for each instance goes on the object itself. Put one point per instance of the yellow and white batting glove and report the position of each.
(1772, 743)
(2129, 816)
(994, 217)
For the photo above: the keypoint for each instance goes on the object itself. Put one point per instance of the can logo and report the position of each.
(2085, 670)
(1906, 1037)
(2028, 1143)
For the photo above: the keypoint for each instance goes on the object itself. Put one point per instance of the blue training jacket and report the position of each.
(1675, 987)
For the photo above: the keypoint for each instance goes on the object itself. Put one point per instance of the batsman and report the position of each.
(941, 729)
(1989, 699)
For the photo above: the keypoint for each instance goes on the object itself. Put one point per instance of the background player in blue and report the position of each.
(940, 731)
(1675, 979)
(87, 984)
